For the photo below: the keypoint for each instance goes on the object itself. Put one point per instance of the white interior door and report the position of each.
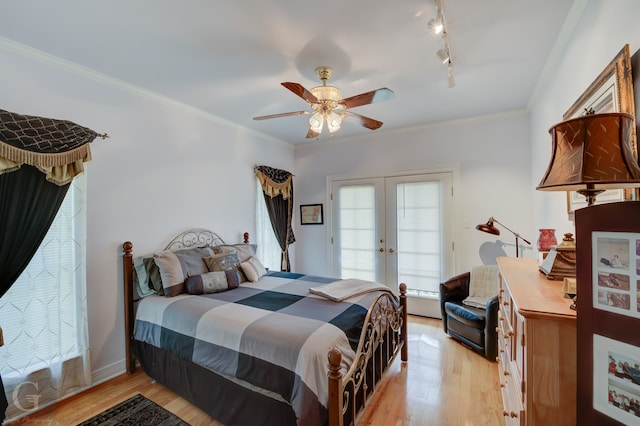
(394, 229)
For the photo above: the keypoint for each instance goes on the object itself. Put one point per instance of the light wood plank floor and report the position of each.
(443, 383)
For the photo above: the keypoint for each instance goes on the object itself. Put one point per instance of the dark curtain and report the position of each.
(28, 205)
(277, 187)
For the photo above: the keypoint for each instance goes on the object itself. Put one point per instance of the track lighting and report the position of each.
(438, 25)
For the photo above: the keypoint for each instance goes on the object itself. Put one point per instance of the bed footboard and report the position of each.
(383, 336)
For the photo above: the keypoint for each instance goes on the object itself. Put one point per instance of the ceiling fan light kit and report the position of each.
(329, 107)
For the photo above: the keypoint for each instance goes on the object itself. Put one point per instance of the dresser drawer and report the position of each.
(513, 408)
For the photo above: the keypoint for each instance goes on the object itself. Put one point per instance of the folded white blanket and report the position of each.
(483, 285)
(344, 289)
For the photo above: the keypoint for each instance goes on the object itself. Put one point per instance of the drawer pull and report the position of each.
(505, 413)
(510, 333)
(501, 350)
(505, 303)
(514, 414)
(506, 372)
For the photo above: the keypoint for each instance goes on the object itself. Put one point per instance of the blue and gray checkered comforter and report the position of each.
(272, 336)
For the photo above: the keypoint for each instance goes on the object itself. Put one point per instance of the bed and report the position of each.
(250, 346)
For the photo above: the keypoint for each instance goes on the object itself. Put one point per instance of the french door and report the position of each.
(393, 229)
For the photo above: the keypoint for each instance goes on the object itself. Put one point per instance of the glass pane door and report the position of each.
(416, 228)
(357, 221)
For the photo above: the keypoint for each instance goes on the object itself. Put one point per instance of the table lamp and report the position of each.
(591, 154)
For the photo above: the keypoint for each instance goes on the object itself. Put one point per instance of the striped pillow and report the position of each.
(212, 282)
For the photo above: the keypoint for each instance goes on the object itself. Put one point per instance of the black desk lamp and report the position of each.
(491, 229)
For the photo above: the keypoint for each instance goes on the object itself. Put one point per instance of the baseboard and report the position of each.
(424, 306)
(108, 372)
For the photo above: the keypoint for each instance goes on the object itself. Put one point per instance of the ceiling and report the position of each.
(228, 59)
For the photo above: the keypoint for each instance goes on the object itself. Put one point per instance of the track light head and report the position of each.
(443, 55)
(436, 26)
(451, 82)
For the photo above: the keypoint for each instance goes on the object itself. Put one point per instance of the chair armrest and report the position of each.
(454, 289)
(490, 332)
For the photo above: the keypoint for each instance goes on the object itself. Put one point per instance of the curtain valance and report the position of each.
(274, 181)
(58, 148)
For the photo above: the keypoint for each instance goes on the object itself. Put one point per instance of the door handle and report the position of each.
(391, 250)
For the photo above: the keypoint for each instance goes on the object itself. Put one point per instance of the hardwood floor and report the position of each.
(443, 383)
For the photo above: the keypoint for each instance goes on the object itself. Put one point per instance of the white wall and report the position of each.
(490, 153)
(164, 169)
(602, 29)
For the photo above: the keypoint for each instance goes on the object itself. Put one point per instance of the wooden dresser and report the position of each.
(536, 347)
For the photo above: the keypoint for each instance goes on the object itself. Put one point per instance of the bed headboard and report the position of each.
(193, 238)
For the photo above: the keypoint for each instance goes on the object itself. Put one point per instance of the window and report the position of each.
(43, 315)
(269, 251)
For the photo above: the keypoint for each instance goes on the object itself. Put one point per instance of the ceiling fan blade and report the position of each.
(299, 90)
(284, 114)
(367, 98)
(367, 122)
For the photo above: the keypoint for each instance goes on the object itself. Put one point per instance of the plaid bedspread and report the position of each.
(272, 335)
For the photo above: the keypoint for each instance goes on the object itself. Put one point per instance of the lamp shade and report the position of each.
(488, 227)
(590, 154)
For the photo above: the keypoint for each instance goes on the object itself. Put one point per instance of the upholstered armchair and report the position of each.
(473, 326)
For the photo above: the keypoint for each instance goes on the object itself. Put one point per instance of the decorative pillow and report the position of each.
(140, 277)
(212, 282)
(223, 262)
(176, 266)
(244, 251)
(153, 272)
(253, 269)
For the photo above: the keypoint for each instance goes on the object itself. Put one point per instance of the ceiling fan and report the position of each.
(328, 105)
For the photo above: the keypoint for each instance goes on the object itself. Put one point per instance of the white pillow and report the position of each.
(253, 269)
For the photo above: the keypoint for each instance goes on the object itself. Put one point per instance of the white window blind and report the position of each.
(419, 227)
(357, 232)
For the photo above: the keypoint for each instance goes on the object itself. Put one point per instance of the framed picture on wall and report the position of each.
(611, 91)
(608, 320)
(311, 214)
